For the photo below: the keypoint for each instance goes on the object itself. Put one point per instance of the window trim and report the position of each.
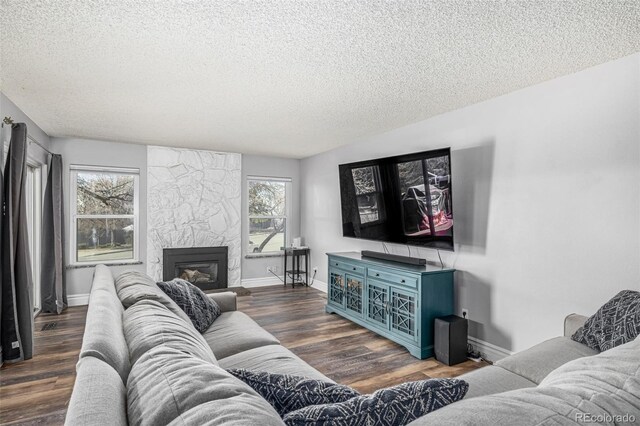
(287, 216)
(73, 213)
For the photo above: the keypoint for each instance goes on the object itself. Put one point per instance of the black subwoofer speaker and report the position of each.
(450, 339)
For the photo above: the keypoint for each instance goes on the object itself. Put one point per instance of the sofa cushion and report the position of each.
(273, 358)
(103, 280)
(201, 310)
(227, 300)
(234, 332)
(287, 392)
(492, 379)
(103, 337)
(535, 363)
(149, 324)
(394, 406)
(615, 323)
(133, 286)
(167, 385)
(603, 385)
(99, 396)
(609, 379)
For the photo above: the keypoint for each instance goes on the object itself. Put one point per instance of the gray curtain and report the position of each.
(52, 285)
(16, 325)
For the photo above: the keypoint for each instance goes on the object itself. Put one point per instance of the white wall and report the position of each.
(100, 153)
(546, 192)
(255, 165)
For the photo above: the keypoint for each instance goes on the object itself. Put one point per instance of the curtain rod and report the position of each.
(9, 120)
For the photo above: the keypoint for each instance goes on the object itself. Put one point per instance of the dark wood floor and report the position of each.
(37, 391)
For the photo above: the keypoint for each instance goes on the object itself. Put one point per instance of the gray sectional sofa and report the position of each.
(142, 362)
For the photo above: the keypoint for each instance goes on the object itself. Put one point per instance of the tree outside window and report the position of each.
(268, 214)
(104, 215)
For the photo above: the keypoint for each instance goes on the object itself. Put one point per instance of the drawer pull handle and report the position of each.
(354, 269)
(336, 263)
(402, 281)
(377, 275)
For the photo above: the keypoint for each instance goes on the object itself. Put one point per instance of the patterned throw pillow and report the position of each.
(394, 406)
(615, 323)
(201, 309)
(287, 393)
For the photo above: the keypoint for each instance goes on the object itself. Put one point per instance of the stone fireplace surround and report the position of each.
(194, 201)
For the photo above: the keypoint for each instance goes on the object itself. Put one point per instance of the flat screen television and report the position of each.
(404, 199)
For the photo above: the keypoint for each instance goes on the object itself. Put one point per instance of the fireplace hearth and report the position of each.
(204, 267)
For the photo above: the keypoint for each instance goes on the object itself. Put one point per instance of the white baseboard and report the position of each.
(267, 281)
(320, 285)
(489, 351)
(260, 282)
(78, 299)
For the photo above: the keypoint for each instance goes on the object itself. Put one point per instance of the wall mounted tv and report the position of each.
(404, 199)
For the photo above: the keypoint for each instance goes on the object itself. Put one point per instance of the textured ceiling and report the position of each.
(288, 78)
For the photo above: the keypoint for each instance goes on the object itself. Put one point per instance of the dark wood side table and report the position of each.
(296, 272)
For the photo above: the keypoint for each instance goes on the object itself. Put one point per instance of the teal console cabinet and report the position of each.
(397, 301)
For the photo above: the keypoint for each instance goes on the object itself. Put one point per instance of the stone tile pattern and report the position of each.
(193, 200)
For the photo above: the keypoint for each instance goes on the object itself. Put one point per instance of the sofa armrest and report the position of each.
(226, 300)
(572, 323)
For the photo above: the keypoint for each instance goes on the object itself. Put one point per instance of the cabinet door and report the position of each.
(353, 294)
(377, 303)
(403, 313)
(336, 288)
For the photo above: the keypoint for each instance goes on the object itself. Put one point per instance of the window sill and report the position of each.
(92, 265)
(261, 255)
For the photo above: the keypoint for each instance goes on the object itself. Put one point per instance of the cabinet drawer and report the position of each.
(349, 267)
(393, 278)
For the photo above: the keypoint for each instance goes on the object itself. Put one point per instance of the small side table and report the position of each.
(296, 272)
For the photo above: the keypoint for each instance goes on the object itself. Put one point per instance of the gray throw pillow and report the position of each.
(287, 393)
(615, 323)
(394, 406)
(201, 309)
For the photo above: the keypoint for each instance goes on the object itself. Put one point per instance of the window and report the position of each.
(33, 188)
(268, 214)
(104, 215)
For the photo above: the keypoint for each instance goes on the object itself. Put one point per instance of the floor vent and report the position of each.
(48, 326)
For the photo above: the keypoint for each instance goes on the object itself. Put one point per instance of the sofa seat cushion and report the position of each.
(103, 337)
(234, 332)
(579, 392)
(273, 358)
(99, 396)
(490, 380)
(615, 372)
(149, 324)
(167, 385)
(537, 362)
(133, 286)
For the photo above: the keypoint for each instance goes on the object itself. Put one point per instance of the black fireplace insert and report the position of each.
(204, 267)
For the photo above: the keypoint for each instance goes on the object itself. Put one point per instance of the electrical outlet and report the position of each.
(465, 313)
(315, 269)
(272, 269)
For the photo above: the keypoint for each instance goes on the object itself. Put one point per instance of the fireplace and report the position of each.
(204, 267)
